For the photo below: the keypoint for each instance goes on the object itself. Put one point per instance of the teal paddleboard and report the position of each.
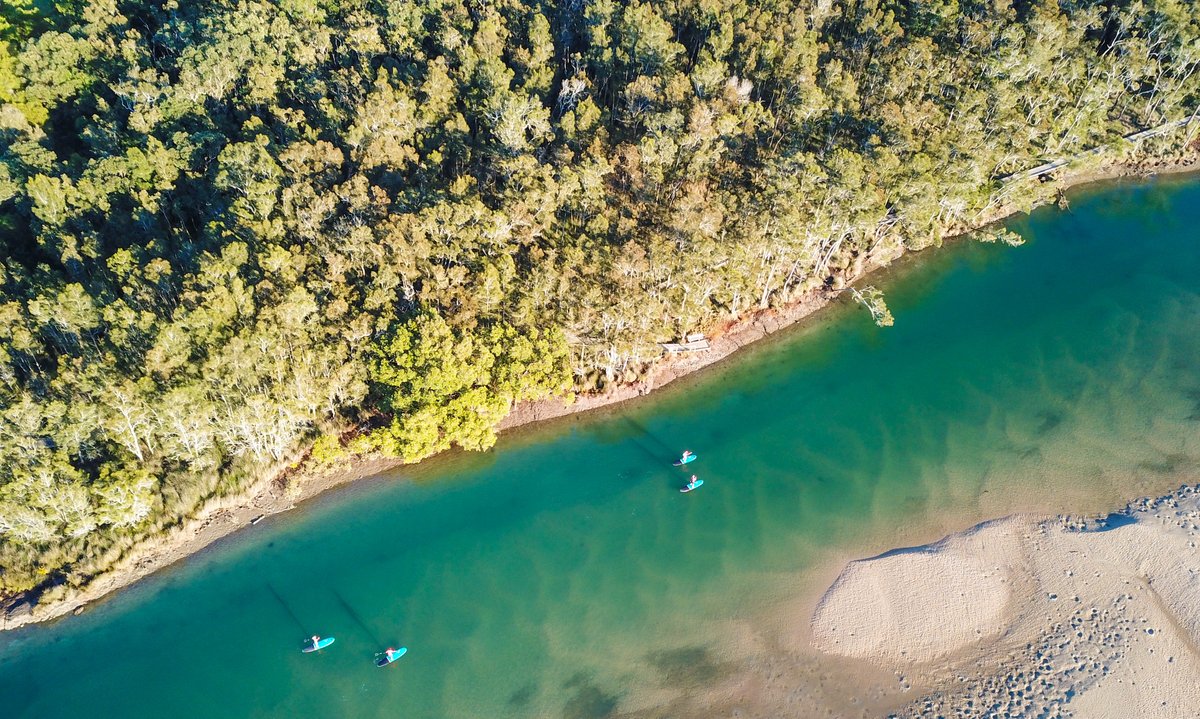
(383, 660)
(693, 485)
(321, 644)
(681, 462)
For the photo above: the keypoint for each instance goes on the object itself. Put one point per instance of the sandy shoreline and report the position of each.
(1030, 615)
(281, 493)
(1026, 617)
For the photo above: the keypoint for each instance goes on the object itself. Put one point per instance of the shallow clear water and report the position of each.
(564, 575)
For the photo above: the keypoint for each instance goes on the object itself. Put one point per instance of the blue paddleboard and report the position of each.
(383, 661)
(693, 485)
(681, 462)
(321, 644)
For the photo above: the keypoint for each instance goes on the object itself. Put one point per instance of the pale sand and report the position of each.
(922, 603)
(1031, 618)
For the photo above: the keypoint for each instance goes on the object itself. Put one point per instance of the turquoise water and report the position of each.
(564, 575)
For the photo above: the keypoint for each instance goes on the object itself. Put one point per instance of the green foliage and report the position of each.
(18, 20)
(227, 226)
(448, 385)
(326, 451)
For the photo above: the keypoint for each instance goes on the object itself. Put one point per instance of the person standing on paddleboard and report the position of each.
(316, 640)
(686, 453)
(693, 482)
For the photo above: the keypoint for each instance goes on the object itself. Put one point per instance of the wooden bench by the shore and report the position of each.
(691, 343)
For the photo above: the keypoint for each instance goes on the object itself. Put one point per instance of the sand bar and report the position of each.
(1028, 617)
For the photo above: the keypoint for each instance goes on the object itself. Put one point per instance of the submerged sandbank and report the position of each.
(1023, 616)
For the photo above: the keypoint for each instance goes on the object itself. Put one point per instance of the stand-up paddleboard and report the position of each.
(321, 644)
(693, 485)
(383, 661)
(685, 460)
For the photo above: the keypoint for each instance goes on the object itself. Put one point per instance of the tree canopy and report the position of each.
(231, 226)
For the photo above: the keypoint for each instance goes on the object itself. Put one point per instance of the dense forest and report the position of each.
(233, 229)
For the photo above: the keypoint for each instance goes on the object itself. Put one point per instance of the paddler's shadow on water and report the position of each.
(357, 619)
(287, 609)
(626, 430)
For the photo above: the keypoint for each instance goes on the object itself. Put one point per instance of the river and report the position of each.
(563, 574)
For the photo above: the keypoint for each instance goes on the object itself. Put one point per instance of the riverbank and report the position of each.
(565, 575)
(223, 518)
